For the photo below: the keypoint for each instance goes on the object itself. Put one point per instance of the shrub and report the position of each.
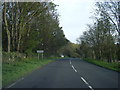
(12, 56)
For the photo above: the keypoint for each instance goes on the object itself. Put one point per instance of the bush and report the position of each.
(113, 65)
(12, 56)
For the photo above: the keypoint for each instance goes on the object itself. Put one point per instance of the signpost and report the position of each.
(40, 51)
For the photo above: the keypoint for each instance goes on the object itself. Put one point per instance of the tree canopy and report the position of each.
(101, 40)
(31, 26)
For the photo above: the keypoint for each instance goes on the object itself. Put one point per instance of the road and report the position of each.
(69, 73)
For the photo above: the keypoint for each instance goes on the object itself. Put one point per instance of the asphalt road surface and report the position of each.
(69, 73)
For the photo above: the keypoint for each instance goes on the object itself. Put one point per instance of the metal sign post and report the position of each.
(42, 55)
(40, 51)
(38, 56)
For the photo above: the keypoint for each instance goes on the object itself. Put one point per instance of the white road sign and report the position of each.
(40, 51)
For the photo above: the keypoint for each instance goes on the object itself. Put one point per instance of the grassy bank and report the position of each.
(15, 70)
(112, 66)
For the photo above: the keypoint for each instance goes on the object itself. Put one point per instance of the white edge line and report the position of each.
(20, 79)
(15, 83)
(11, 85)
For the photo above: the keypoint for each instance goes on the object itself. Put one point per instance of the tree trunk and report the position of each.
(7, 30)
(19, 40)
(119, 21)
(13, 36)
(16, 26)
(20, 36)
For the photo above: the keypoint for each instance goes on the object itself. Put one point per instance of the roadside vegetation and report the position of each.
(12, 71)
(101, 41)
(16, 65)
(112, 66)
(31, 26)
(26, 28)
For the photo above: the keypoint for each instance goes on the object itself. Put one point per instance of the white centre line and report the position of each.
(74, 68)
(84, 80)
(70, 61)
(87, 83)
(90, 87)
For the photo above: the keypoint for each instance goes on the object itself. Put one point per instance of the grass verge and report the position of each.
(15, 70)
(112, 66)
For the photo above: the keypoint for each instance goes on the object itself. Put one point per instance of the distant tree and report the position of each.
(70, 50)
(98, 42)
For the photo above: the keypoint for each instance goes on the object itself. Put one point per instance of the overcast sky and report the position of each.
(74, 15)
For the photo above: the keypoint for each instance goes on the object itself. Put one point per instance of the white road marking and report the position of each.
(11, 85)
(74, 68)
(90, 87)
(70, 61)
(84, 80)
(20, 79)
(87, 83)
(15, 83)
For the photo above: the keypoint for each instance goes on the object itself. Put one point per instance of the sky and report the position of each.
(74, 16)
